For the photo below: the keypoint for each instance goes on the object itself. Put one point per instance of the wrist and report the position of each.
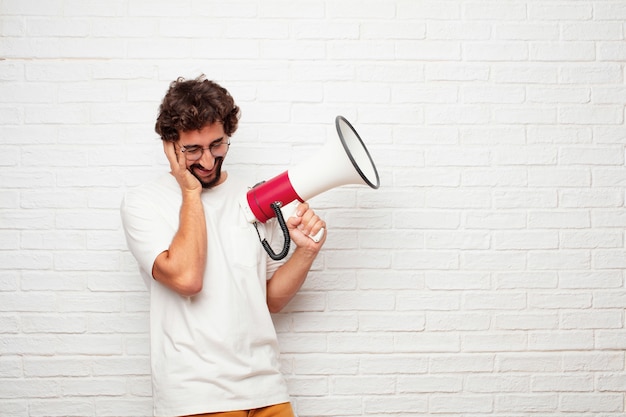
(191, 195)
(305, 253)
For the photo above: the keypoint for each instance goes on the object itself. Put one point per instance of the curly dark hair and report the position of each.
(192, 104)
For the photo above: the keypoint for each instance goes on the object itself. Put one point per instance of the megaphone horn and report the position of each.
(337, 163)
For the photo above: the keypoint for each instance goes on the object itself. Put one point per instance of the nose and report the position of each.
(207, 160)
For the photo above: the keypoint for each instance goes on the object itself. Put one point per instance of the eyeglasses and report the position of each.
(194, 152)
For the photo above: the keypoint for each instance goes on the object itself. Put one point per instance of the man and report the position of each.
(212, 287)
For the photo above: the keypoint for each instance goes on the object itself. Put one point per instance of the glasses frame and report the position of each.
(185, 150)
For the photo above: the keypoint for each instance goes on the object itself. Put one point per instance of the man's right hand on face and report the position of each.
(178, 168)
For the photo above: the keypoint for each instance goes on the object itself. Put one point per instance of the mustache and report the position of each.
(218, 163)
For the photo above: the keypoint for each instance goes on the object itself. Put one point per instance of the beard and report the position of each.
(216, 178)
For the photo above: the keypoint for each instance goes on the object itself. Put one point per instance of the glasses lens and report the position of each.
(192, 153)
(219, 149)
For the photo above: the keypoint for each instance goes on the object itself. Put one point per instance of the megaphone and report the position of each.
(338, 163)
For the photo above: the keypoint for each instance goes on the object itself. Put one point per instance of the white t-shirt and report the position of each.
(215, 351)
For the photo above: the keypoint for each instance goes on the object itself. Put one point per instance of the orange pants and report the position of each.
(278, 410)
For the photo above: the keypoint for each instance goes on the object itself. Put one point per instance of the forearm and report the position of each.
(181, 267)
(288, 279)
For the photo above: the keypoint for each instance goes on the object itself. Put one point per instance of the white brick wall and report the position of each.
(485, 276)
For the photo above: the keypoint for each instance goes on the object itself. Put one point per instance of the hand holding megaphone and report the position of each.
(296, 210)
(337, 163)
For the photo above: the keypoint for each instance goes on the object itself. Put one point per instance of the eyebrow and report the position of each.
(215, 142)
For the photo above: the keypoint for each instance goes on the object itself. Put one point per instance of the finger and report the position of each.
(302, 208)
(182, 161)
(317, 226)
(294, 221)
(314, 228)
(310, 222)
(170, 153)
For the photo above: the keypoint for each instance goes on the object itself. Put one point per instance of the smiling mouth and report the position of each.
(208, 177)
(203, 170)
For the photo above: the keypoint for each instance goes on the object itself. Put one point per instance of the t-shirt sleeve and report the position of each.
(146, 233)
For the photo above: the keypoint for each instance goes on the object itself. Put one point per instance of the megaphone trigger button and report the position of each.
(318, 236)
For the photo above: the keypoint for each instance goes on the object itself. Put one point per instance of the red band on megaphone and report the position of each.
(261, 197)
